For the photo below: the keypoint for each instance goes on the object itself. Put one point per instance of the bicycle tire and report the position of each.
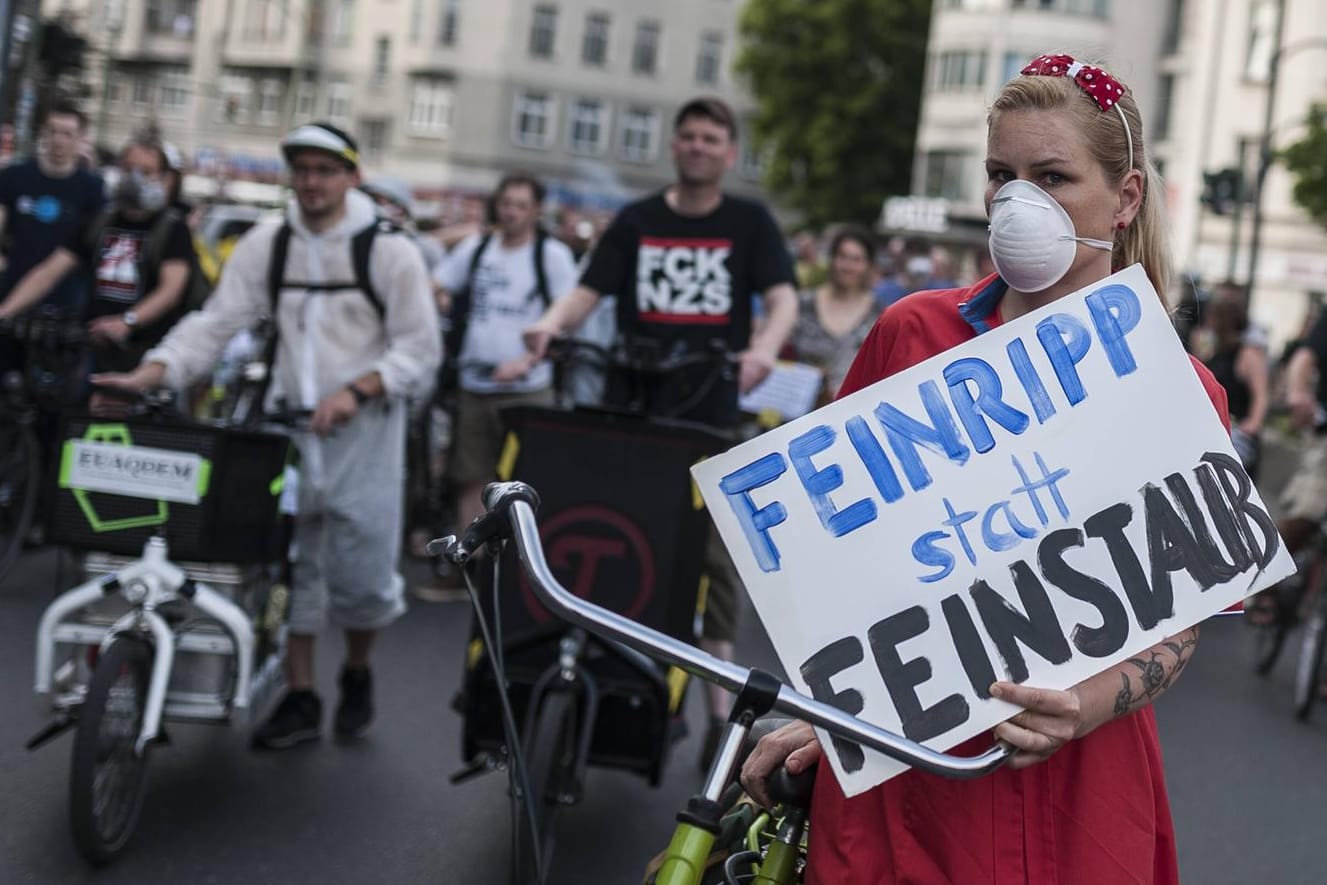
(1308, 671)
(108, 779)
(549, 750)
(20, 460)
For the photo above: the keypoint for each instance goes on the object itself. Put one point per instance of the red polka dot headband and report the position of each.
(1099, 85)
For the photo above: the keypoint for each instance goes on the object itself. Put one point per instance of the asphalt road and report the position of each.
(1248, 784)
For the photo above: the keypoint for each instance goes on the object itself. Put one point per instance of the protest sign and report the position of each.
(1038, 505)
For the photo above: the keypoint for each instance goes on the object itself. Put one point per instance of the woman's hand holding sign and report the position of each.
(1050, 719)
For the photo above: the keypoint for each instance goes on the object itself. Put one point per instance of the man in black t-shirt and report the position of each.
(140, 255)
(43, 201)
(685, 265)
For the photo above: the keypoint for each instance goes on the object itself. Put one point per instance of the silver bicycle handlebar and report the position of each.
(514, 498)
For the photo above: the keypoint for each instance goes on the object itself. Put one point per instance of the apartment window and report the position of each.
(709, 58)
(645, 49)
(174, 98)
(1014, 63)
(640, 135)
(416, 21)
(173, 18)
(594, 45)
(961, 70)
(343, 20)
(142, 93)
(449, 24)
(265, 20)
(543, 31)
(306, 97)
(946, 174)
(532, 120)
(1170, 41)
(236, 98)
(1161, 129)
(374, 137)
(752, 160)
(1262, 39)
(588, 126)
(338, 98)
(382, 58)
(430, 106)
(271, 95)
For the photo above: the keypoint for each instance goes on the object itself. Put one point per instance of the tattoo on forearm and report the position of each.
(1158, 668)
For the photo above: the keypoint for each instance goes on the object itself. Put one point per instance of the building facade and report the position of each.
(975, 47)
(1217, 67)
(1199, 71)
(446, 94)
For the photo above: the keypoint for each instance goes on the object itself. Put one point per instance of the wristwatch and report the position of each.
(360, 396)
(129, 318)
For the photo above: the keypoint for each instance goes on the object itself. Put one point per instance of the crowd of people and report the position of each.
(375, 323)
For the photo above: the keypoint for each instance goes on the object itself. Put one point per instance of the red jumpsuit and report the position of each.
(1095, 813)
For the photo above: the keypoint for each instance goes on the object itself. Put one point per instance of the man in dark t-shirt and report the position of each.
(44, 200)
(139, 255)
(685, 265)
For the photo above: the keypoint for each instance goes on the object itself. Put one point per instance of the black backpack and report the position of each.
(361, 247)
(459, 317)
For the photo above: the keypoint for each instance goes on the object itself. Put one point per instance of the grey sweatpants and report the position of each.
(348, 530)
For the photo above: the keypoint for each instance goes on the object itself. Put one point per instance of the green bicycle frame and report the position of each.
(684, 861)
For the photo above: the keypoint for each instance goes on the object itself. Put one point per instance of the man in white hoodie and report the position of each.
(354, 340)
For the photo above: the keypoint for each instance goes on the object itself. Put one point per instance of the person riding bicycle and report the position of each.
(140, 257)
(352, 350)
(686, 265)
(1072, 195)
(497, 284)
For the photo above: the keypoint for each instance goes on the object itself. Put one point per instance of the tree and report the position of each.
(838, 91)
(1307, 161)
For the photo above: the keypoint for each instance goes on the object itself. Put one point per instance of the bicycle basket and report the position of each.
(213, 493)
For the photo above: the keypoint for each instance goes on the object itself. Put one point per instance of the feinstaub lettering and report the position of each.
(1017, 612)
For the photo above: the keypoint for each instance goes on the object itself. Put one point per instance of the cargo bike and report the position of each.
(184, 528)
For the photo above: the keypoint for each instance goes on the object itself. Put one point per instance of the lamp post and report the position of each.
(114, 15)
(1265, 153)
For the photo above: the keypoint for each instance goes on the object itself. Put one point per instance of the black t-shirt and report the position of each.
(685, 282)
(41, 214)
(123, 274)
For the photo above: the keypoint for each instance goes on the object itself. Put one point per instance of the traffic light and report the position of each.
(1222, 189)
(61, 49)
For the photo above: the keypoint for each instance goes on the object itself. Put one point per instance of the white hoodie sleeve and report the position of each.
(414, 339)
(239, 301)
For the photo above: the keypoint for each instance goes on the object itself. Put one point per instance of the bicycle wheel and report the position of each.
(19, 477)
(1308, 671)
(550, 750)
(108, 778)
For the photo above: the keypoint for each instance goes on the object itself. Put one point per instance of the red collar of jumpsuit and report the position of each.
(1095, 813)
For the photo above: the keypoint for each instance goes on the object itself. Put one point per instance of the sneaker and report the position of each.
(298, 718)
(355, 711)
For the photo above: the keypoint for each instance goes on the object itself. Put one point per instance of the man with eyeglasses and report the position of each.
(356, 335)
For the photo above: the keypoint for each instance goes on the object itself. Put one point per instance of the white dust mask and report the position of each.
(1033, 241)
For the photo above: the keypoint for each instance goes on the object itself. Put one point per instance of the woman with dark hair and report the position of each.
(834, 319)
(1241, 368)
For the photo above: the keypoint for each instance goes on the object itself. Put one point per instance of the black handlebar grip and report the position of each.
(495, 522)
(792, 789)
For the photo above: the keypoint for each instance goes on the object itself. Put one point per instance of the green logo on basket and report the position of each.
(153, 475)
